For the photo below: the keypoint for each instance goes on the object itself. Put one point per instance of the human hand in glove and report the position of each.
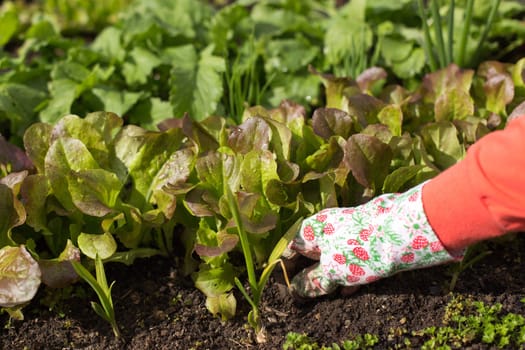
(356, 246)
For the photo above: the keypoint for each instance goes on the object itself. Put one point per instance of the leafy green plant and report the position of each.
(467, 321)
(100, 286)
(303, 342)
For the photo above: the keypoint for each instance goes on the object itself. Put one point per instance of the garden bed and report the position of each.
(157, 309)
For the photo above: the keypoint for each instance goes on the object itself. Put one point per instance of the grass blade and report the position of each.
(465, 32)
(427, 41)
(438, 29)
(488, 25)
(450, 46)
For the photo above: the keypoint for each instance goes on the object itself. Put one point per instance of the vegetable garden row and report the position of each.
(206, 132)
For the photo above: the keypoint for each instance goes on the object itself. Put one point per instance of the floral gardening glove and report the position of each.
(360, 245)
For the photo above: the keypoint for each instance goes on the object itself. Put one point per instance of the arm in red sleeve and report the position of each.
(482, 196)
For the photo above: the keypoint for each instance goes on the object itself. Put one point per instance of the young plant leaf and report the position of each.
(19, 276)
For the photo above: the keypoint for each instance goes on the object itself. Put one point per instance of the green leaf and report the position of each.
(103, 245)
(150, 113)
(442, 143)
(139, 66)
(196, 81)
(115, 100)
(19, 102)
(9, 25)
(144, 153)
(454, 104)
(69, 81)
(214, 281)
(395, 181)
(94, 191)
(108, 43)
(392, 116)
(224, 304)
(65, 156)
(19, 276)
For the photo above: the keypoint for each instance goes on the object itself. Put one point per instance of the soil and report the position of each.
(157, 308)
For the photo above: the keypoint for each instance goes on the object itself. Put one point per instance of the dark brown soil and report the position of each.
(156, 309)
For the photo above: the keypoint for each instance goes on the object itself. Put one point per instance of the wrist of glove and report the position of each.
(360, 245)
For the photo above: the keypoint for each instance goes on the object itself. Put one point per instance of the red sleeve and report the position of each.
(483, 196)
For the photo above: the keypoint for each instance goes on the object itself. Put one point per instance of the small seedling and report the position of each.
(100, 286)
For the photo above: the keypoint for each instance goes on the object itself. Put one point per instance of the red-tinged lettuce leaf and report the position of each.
(498, 86)
(368, 159)
(256, 213)
(59, 273)
(10, 216)
(337, 90)
(94, 191)
(19, 276)
(453, 104)
(442, 144)
(365, 108)
(13, 157)
(14, 182)
(369, 77)
(173, 174)
(253, 134)
(450, 78)
(328, 122)
(224, 243)
(34, 192)
(281, 135)
(206, 134)
(37, 139)
(287, 112)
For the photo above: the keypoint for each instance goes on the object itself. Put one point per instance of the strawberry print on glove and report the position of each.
(360, 245)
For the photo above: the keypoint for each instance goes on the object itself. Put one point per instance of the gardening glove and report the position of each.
(360, 245)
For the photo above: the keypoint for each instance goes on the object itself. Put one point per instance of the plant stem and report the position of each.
(488, 25)
(439, 34)
(450, 47)
(465, 32)
(427, 41)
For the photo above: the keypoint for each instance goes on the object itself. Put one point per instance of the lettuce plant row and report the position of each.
(95, 186)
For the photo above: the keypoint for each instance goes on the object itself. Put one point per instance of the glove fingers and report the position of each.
(312, 282)
(305, 243)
